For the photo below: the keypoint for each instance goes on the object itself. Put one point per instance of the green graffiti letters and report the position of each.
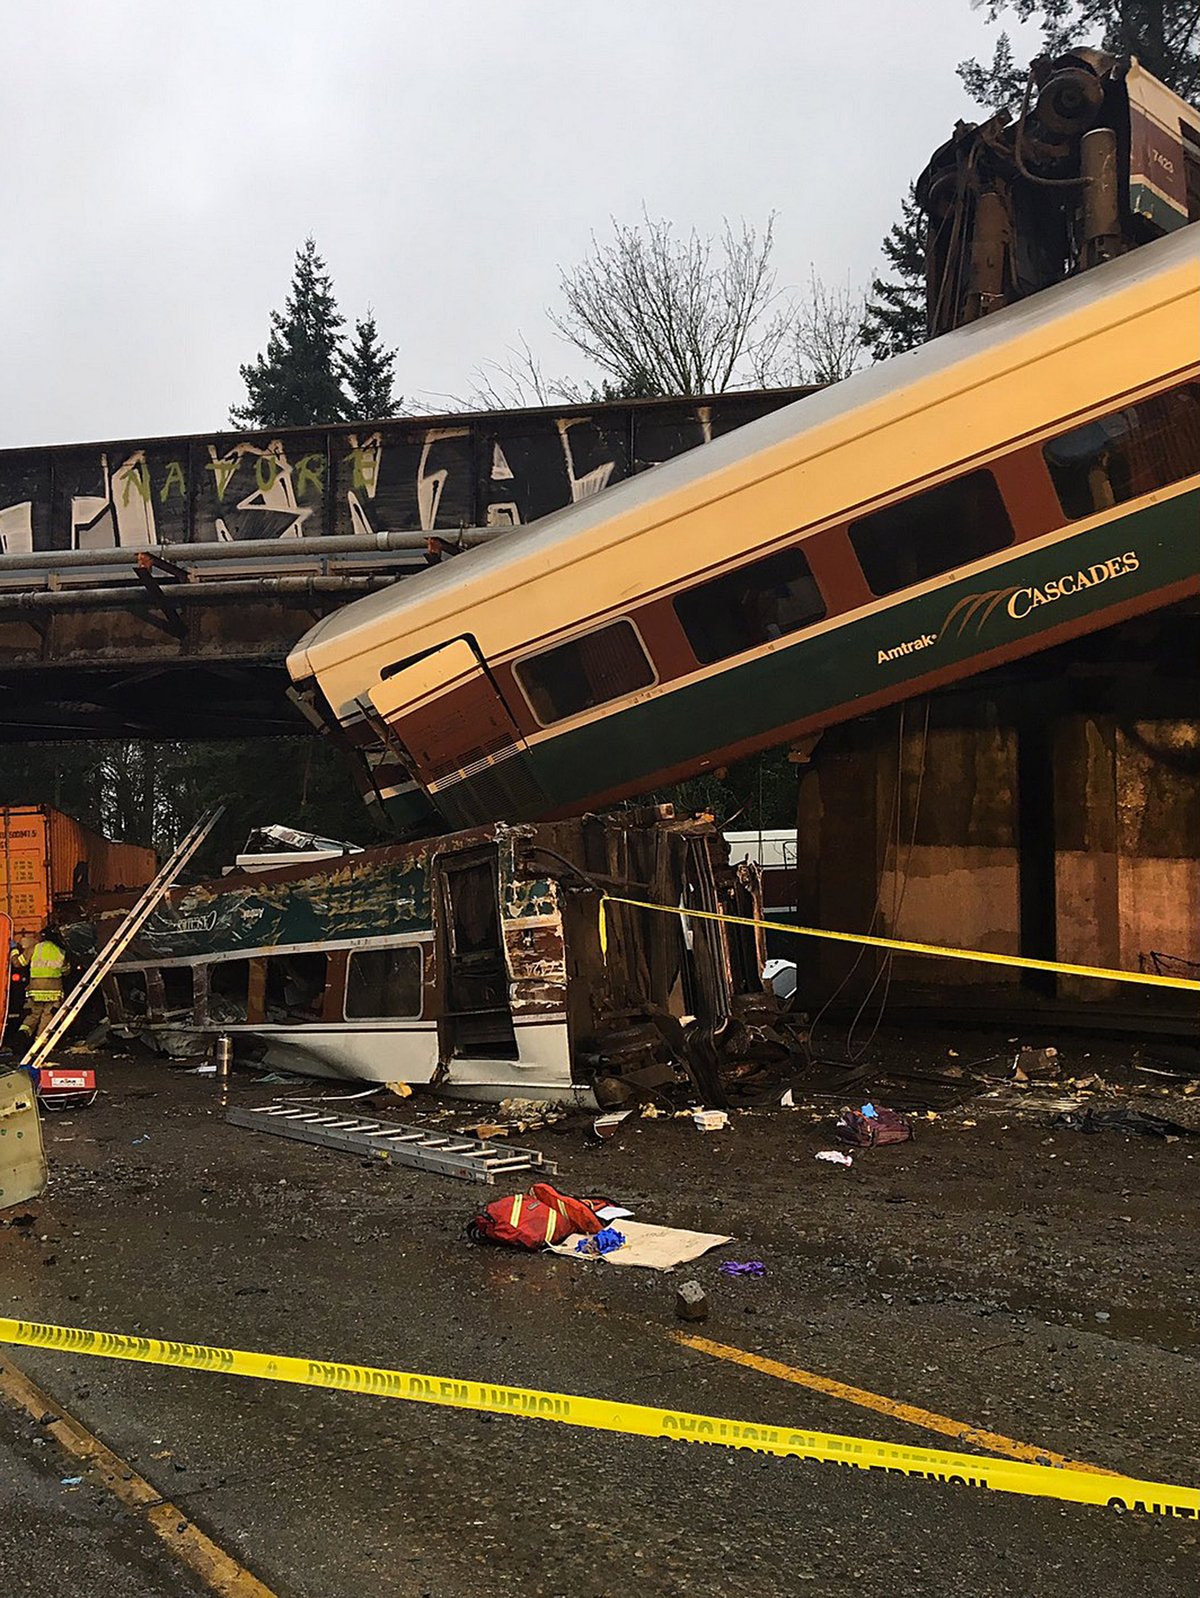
(310, 472)
(136, 474)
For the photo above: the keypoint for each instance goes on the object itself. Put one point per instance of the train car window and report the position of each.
(178, 994)
(383, 983)
(947, 526)
(750, 606)
(295, 987)
(131, 990)
(585, 672)
(1127, 453)
(228, 991)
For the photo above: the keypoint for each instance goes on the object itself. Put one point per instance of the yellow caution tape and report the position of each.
(635, 1420)
(1106, 973)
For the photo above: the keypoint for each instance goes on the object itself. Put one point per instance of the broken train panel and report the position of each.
(470, 962)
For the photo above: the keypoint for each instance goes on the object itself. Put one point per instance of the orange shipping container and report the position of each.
(49, 860)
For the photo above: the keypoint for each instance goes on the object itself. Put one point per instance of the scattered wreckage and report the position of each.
(474, 963)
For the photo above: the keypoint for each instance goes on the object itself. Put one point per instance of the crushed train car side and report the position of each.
(471, 962)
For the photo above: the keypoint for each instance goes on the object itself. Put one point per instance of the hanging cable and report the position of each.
(900, 881)
(899, 892)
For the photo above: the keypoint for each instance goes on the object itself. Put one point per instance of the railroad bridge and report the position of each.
(153, 587)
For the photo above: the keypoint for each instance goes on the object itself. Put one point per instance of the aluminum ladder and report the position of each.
(472, 1158)
(107, 957)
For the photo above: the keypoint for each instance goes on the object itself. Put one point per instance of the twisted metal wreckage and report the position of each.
(473, 962)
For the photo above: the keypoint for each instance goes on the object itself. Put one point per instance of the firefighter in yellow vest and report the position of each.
(47, 968)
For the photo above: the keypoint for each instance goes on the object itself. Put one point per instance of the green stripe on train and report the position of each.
(1141, 552)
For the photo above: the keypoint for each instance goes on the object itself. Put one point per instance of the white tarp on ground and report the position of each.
(659, 1247)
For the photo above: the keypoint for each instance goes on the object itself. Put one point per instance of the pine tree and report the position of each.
(1163, 34)
(895, 319)
(298, 380)
(367, 372)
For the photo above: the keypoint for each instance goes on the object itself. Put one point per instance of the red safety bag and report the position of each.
(533, 1220)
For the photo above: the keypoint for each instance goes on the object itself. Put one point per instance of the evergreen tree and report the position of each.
(367, 372)
(895, 319)
(1163, 34)
(298, 380)
(152, 792)
(638, 384)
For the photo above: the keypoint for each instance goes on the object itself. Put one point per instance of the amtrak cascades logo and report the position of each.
(1025, 600)
(978, 609)
(923, 642)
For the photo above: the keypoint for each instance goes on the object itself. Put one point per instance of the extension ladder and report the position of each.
(472, 1158)
(112, 951)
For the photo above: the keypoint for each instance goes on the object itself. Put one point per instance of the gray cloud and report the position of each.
(163, 163)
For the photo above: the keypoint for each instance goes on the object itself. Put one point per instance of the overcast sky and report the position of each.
(162, 162)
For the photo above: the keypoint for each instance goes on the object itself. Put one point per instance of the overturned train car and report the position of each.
(473, 962)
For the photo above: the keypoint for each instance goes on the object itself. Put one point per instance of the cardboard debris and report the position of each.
(657, 1247)
(711, 1120)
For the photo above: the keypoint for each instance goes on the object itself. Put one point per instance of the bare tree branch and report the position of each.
(514, 383)
(662, 313)
(819, 337)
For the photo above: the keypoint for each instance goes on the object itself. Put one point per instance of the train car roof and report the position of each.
(334, 639)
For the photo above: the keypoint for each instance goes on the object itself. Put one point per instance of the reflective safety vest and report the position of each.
(46, 965)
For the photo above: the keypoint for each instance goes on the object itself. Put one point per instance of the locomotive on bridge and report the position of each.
(1015, 483)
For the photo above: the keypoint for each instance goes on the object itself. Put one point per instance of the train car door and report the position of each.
(476, 1021)
(463, 745)
(708, 983)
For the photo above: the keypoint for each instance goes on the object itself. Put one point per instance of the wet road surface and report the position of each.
(59, 1539)
(1041, 1284)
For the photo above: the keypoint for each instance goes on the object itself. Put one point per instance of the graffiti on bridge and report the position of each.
(410, 474)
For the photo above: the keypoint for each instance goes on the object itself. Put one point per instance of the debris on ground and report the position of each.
(605, 1126)
(528, 1113)
(691, 1302)
(834, 1157)
(711, 1120)
(873, 1127)
(742, 1268)
(1140, 1122)
(1035, 1064)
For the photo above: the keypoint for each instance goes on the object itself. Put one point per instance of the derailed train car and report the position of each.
(1014, 484)
(473, 962)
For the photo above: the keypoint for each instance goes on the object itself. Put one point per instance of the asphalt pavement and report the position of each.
(1037, 1282)
(61, 1536)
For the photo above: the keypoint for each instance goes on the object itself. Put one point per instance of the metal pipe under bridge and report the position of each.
(153, 587)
